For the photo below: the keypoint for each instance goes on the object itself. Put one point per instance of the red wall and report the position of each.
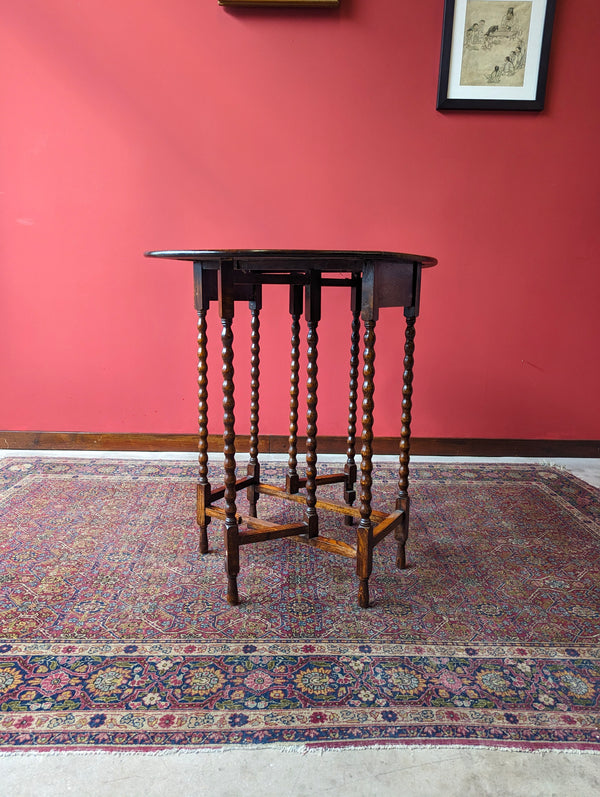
(135, 125)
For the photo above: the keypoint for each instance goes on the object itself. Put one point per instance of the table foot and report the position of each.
(363, 593)
(312, 525)
(203, 539)
(401, 556)
(232, 591)
(401, 533)
(253, 470)
(349, 491)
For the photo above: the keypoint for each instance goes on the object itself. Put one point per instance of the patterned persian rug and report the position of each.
(115, 634)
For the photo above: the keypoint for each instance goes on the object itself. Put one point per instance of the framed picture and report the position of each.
(495, 54)
(281, 3)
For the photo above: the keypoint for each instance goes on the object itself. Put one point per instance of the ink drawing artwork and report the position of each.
(495, 43)
(495, 54)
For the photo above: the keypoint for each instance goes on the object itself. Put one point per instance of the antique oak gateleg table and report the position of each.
(375, 280)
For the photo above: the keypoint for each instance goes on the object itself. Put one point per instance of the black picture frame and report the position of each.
(499, 65)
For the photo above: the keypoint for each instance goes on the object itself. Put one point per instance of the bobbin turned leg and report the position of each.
(364, 548)
(296, 304)
(403, 500)
(203, 487)
(350, 466)
(253, 468)
(205, 291)
(232, 555)
(313, 315)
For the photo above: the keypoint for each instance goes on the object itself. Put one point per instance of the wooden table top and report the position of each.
(293, 259)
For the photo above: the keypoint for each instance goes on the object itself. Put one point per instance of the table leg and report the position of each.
(253, 464)
(313, 315)
(311, 431)
(350, 466)
(364, 548)
(292, 485)
(403, 500)
(203, 487)
(231, 528)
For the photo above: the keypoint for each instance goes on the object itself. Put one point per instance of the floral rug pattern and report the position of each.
(115, 633)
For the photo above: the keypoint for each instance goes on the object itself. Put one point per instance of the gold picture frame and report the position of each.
(282, 3)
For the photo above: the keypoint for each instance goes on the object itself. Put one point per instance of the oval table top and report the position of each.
(293, 259)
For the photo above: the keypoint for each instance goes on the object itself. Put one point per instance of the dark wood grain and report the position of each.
(327, 544)
(296, 306)
(403, 500)
(364, 561)
(226, 309)
(321, 503)
(350, 466)
(203, 483)
(253, 467)
(311, 429)
(313, 315)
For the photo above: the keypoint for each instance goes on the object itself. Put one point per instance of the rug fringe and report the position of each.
(300, 749)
